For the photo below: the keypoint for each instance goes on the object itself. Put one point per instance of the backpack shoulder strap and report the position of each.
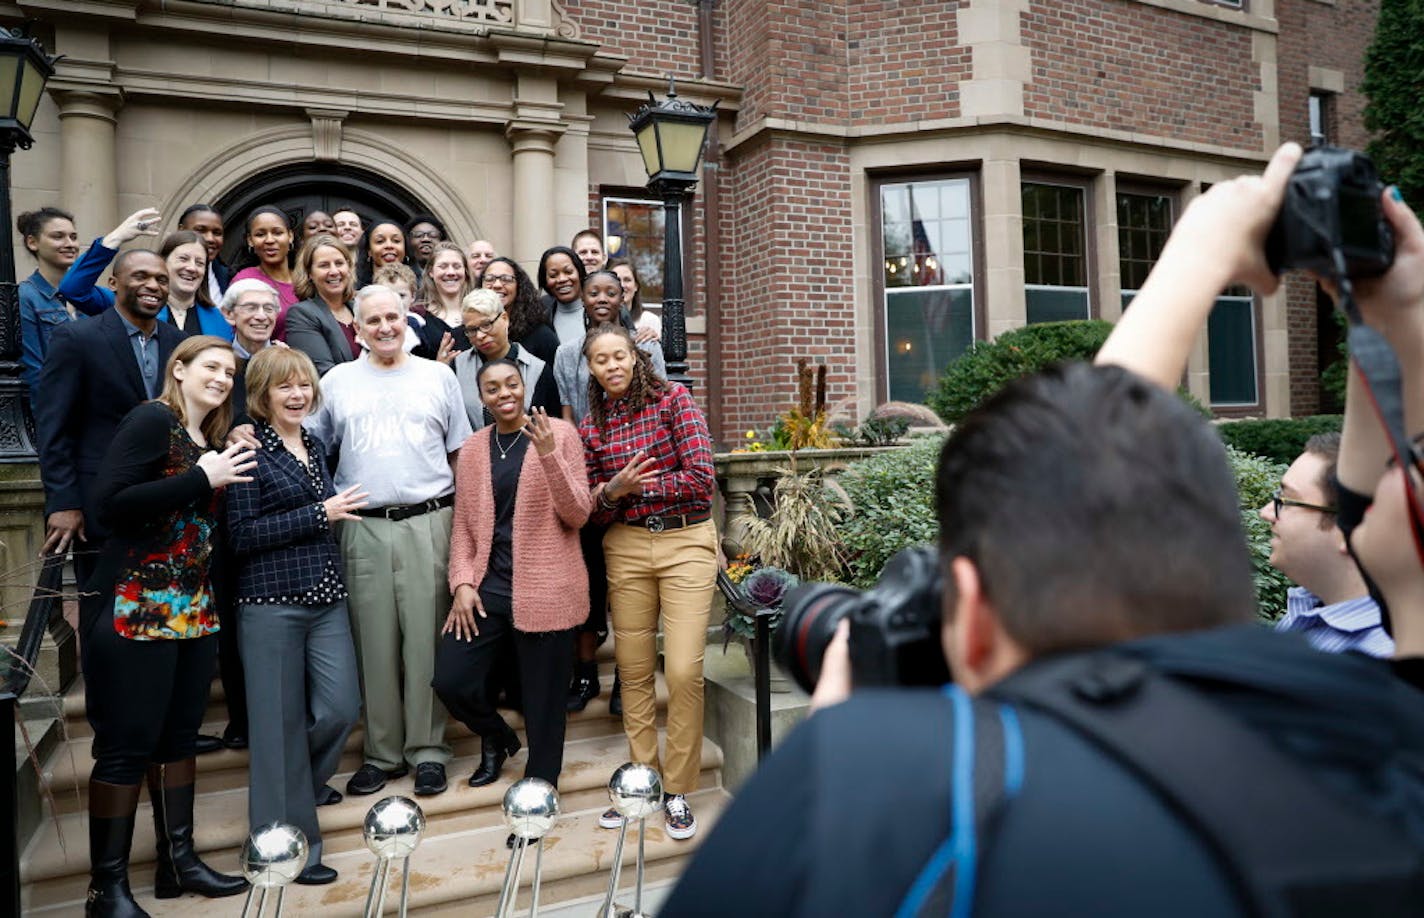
(1292, 845)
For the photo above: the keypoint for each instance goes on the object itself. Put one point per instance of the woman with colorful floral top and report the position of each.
(148, 623)
(649, 457)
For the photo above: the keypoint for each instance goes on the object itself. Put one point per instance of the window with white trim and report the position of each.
(1055, 252)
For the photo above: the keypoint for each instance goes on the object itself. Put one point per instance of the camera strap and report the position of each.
(1383, 379)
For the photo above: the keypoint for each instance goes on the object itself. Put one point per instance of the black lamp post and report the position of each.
(24, 68)
(672, 134)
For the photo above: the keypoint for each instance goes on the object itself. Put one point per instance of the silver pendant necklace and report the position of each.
(499, 444)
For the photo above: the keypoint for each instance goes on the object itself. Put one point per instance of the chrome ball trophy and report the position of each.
(637, 793)
(531, 807)
(271, 858)
(392, 831)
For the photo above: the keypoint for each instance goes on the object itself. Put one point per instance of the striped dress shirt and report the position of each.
(1350, 625)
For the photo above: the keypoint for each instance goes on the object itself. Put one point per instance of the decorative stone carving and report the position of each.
(567, 28)
(495, 12)
(326, 133)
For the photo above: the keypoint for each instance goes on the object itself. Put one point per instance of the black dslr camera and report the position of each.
(894, 626)
(1332, 204)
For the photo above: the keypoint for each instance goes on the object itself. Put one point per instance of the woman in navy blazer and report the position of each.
(302, 693)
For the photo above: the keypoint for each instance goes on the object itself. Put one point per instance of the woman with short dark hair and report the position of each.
(49, 236)
(269, 259)
(561, 277)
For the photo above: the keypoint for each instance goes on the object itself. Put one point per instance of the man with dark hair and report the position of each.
(95, 372)
(1331, 606)
(1121, 738)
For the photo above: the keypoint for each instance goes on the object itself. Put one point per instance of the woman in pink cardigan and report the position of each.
(516, 573)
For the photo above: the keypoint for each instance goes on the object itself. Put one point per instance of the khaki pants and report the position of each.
(396, 573)
(675, 571)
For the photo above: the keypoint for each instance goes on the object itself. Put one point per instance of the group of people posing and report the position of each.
(373, 472)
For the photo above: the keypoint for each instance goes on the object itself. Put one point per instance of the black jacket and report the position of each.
(843, 817)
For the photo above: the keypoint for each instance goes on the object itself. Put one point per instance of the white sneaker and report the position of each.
(681, 824)
(610, 819)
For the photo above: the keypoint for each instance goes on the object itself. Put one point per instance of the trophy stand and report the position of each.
(636, 792)
(392, 830)
(272, 857)
(531, 807)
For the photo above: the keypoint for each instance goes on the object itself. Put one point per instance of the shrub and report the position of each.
(891, 507)
(987, 366)
(1256, 479)
(1277, 439)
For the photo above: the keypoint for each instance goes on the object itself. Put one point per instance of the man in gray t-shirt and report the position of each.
(395, 421)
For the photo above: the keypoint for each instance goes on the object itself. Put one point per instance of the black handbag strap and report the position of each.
(1293, 846)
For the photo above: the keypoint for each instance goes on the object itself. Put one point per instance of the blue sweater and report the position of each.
(80, 287)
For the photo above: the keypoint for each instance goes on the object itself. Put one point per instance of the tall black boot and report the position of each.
(585, 686)
(111, 823)
(170, 787)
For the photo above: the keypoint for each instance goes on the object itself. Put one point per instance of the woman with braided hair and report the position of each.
(649, 457)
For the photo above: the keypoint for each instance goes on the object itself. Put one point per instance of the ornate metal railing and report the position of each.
(761, 656)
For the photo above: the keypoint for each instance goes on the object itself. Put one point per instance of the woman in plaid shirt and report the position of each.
(649, 458)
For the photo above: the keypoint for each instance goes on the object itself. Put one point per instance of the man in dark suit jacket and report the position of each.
(95, 372)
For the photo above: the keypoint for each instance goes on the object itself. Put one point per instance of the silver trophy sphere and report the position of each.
(530, 808)
(636, 791)
(273, 855)
(393, 827)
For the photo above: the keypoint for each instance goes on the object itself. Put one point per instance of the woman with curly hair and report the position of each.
(649, 457)
(528, 318)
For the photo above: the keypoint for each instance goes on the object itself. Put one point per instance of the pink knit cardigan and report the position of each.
(550, 581)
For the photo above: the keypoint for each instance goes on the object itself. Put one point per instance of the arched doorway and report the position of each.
(300, 188)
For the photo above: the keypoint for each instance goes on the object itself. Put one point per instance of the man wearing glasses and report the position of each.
(1331, 606)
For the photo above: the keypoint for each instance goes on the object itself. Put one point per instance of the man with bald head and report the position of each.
(94, 373)
(478, 256)
(395, 421)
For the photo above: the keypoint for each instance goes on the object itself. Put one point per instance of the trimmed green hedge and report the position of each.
(987, 366)
(1277, 439)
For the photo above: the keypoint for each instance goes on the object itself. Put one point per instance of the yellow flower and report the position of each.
(751, 435)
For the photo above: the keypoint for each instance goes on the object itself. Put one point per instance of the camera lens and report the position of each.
(811, 613)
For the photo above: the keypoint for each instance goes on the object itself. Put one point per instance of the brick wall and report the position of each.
(1133, 67)
(1334, 37)
(905, 61)
(657, 36)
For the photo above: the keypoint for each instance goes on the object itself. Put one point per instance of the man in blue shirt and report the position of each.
(1331, 606)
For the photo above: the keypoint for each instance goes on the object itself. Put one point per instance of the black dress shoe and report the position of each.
(493, 752)
(371, 778)
(235, 740)
(509, 842)
(615, 697)
(430, 779)
(206, 744)
(316, 875)
(328, 796)
(585, 686)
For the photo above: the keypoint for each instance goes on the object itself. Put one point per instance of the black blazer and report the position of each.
(276, 523)
(89, 382)
(312, 329)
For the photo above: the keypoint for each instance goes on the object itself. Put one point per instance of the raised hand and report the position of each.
(461, 620)
(139, 223)
(1398, 295)
(640, 470)
(343, 506)
(229, 466)
(539, 431)
(447, 351)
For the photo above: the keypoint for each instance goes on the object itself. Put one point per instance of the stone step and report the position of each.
(55, 875)
(461, 873)
(68, 768)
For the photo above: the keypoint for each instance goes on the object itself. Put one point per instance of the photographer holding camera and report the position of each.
(1122, 738)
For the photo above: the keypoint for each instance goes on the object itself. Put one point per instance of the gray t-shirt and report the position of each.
(568, 321)
(393, 429)
(571, 373)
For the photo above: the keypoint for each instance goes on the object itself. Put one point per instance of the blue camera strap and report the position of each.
(987, 773)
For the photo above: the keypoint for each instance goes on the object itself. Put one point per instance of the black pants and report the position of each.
(591, 542)
(144, 699)
(546, 660)
(230, 657)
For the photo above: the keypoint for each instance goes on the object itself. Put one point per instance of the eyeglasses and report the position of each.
(251, 309)
(1277, 502)
(426, 234)
(484, 328)
(503, 280)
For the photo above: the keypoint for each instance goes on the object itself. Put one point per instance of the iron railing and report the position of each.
(761, 656)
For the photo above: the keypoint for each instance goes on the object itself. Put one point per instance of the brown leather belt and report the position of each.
(664, 523)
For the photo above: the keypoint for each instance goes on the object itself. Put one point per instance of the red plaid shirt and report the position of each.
(673, 431)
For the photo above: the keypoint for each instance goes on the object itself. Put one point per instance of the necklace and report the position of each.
(499, 444)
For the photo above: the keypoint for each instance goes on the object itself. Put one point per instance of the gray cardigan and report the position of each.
(571, 373)
(467, 368)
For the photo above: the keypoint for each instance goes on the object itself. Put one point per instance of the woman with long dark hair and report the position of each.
(528, 317)
(323, 324)
(515, 575)
(561, 277)
(385, 245)
(148, 624)
(648, 325)
(649, 457)
(269, 259)
(49, 236)
(302, 688)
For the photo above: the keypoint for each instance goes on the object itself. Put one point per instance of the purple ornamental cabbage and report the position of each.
(767, 586)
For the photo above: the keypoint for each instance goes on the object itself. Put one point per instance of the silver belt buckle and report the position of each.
(655, 524)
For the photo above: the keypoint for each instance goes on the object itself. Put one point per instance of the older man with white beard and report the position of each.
(396, 421)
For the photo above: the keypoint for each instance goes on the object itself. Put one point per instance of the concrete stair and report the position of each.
(459, 865)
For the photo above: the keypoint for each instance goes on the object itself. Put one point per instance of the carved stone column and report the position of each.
(89, 169)
(534, 225)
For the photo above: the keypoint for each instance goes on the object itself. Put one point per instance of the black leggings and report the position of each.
(546, 661)
(591, 542)
(144, 699)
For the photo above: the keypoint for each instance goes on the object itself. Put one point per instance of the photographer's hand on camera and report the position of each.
(834, 686)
